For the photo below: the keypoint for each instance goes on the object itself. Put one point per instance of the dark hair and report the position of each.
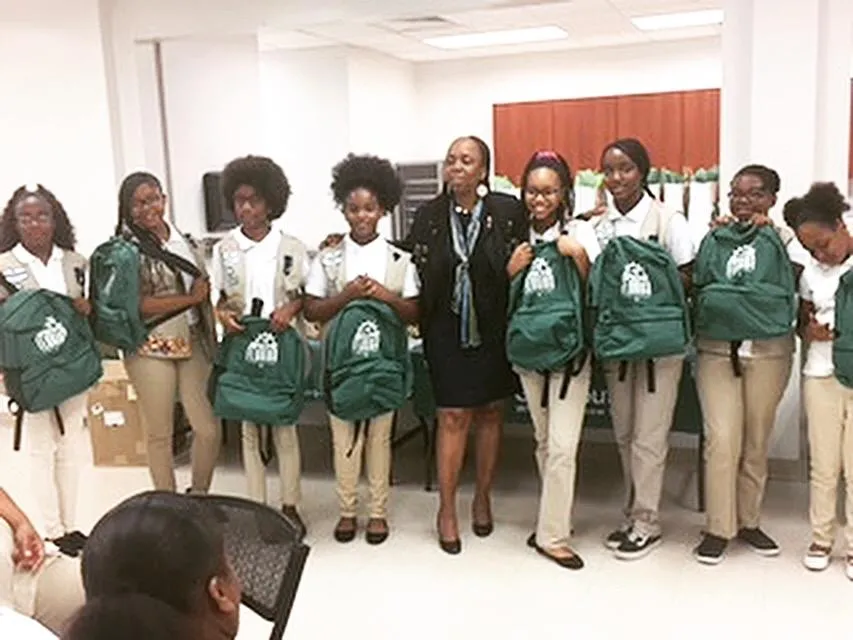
(369, 172)
(264, 176)
(159, 544)
(824, 204)
(484, 152)
(125, 196)
(639, 155)
(557, 163)
(769, 178)
(129, 617)
(63, 233)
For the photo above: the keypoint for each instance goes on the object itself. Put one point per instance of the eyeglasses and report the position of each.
(148, 203)
(753, 194)
(45, 217)
(545, 193)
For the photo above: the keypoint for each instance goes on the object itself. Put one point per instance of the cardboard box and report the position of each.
(114, 421)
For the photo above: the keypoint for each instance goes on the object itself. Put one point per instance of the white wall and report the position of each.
(456, 98)
(55, 116)
(212, 98)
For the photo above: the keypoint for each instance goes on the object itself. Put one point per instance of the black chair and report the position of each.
(266, 551)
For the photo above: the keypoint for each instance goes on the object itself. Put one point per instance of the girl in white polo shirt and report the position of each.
(37, 252)
(549, 199)
(818, 219)
(365, 188)
(258, 262)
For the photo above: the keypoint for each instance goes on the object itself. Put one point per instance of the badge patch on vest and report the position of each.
(605, 231)
(540, 278)
(263, 350)
(742, 260)
(333, 258)
(51, 338)
(636, 284)
(288, 265)
(367, 339)
(230, 261)
(16, 275)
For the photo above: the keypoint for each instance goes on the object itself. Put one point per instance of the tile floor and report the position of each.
(498, 588)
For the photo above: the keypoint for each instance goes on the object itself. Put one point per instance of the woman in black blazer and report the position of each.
(461, 242)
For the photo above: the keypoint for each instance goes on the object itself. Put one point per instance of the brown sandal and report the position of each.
(345, 529)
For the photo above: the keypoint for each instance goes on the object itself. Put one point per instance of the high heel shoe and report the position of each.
(483, 530)
(453, 547)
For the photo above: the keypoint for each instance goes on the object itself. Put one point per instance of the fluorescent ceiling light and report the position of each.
(679, 20)
(496, 38)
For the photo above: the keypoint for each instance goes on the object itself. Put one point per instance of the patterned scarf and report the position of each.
(464, 241)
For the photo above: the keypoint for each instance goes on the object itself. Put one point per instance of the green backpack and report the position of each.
(842, 345)
(638, 304)
(114, 290)
(546, 316)
(47, 353)
(259, 375)
(745, 287)
(367, 368)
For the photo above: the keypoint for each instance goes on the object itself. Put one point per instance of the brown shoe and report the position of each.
(377, 531)
(345, 530)
(292, 514)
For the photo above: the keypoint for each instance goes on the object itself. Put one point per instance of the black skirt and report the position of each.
(465, 378)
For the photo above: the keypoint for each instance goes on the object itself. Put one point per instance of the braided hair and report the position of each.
(63, 234)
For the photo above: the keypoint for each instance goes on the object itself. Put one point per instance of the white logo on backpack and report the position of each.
(367, 339)
(51, 338)
(263, 350)
(742, 260)
(635, 282)
(540, 278)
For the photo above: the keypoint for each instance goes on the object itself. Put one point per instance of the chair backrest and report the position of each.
(266, 551)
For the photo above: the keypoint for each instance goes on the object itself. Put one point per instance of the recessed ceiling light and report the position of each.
(497, 38)
(679, 20)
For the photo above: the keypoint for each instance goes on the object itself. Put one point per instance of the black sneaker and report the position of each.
(636, 545)
(711, 550)
(615, 539)
(68, 545)
(759, 542)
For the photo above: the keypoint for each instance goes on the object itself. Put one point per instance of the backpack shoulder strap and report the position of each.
(395, 271)
(333, 260)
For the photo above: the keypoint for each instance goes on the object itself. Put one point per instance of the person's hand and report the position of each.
(722, 221)
(760, 220)
(28, 554)
(520, 259)
(229, 321)
(200, 290)
(282, 317)
(817, 332)
(569, 247)
(332, 240)
(356, 289)
(378, 291)
(599, 210)
(83, 306)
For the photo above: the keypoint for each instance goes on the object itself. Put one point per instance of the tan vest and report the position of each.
(173, 339)
(655, 225)
(782, 347)
(333, 260)
(73, 269)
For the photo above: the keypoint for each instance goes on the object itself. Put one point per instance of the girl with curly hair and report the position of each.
(365, 188)
(258, 262)
(37, 252)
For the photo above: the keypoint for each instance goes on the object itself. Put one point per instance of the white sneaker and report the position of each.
(850, 567)
(817, 557)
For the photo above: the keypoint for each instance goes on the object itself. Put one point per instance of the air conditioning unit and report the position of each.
(421, 183)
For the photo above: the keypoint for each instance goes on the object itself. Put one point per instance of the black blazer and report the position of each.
(504, 227)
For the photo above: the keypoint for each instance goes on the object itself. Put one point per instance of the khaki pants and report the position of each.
(55, 462)
(641, 424)
(376, 448)
(286, 442)
(739, 417)
(157, 382)
(829, 410)
(51, 595)
(557, 430)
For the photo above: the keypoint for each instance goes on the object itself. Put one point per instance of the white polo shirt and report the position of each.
(369, 260)
(818, 285)
(580, 230)
(48, 276)
(677, 241)
(260, 260)
(14, 625)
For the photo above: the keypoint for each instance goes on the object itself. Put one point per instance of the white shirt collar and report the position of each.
(550, 234)
(637, 214)
(362, 247)
(24, 256)
(245, 243)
